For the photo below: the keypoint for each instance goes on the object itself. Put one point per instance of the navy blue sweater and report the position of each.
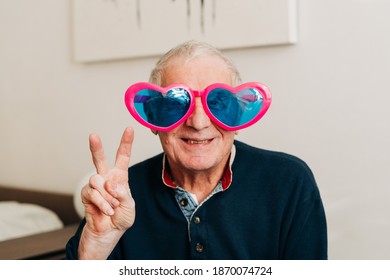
(272, 210)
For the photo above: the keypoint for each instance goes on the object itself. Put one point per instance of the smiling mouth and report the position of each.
(194, 142)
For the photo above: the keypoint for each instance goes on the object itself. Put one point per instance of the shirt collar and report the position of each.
(226, 179)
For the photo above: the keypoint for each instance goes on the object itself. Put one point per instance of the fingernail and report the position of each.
(115, 202)
(110, 212)
(98, 181)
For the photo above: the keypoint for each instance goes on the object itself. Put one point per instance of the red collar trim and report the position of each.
(166, 176)
(227, 177)
(226, 180)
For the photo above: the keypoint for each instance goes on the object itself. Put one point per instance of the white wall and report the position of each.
(330, 107)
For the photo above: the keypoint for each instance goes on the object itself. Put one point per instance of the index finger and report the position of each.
(124, 151)
(98, 156)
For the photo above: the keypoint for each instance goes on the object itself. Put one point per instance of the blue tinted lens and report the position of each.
(162, 110)
(234, 109)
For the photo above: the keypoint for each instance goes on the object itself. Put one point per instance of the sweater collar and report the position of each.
(226, 179)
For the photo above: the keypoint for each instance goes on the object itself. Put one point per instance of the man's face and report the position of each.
(198, 145)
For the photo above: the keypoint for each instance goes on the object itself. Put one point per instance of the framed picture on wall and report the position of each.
(117, 29)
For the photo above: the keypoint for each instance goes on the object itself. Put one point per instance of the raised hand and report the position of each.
(109, 206)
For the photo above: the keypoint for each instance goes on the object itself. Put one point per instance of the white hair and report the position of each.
(190, 50)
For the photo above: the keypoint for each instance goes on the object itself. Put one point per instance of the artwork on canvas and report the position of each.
(116, 29)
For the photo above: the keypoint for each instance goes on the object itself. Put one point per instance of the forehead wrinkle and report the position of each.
(181, 65)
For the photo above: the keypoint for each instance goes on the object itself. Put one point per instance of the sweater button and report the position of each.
(184, 202)
(199, 247)
(196, 220)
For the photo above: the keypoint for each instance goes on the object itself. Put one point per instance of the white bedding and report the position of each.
(22, 219)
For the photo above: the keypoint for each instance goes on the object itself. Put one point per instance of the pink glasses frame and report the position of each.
(135, 88)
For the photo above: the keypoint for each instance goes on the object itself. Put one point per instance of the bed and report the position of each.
(35, 224)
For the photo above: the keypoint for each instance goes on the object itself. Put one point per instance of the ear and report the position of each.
(236, 132)
(154, 131)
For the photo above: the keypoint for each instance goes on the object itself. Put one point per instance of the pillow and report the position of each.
(22, 219)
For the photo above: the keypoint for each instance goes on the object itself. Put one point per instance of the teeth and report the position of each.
(197, 142)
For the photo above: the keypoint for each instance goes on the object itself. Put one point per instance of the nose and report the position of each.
(198, 119)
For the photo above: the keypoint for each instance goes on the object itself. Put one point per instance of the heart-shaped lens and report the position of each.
(235, 109)
(162, 109)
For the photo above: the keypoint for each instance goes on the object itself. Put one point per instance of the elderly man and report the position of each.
(207, 196)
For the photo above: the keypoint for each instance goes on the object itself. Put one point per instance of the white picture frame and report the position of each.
(118, 29)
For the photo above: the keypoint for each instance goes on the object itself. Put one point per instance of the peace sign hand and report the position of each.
(109, 206)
